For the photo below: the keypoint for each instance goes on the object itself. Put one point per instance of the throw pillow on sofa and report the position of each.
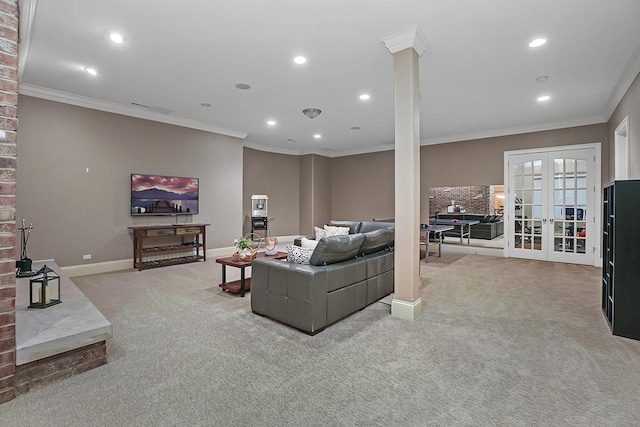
(319, 232)
(298, 255)
(308, 243)
(330, 231)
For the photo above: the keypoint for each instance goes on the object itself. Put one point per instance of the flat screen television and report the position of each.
(163, 195)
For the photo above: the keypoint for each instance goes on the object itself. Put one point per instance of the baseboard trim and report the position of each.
(127, 264)
(98, 267)
(473, 250)
(405, 309)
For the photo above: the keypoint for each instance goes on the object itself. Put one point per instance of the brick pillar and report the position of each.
(8, 158)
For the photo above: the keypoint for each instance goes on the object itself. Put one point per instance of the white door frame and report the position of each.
(597, 179)
(621, 150)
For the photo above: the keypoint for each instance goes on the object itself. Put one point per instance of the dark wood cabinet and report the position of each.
(161, 245)
(621, 258)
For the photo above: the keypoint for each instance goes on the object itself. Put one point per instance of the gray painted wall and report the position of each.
(306, 202)
(481, 161)
(322, 191)
(278, 177)
(628, 106)
(362, 185)
(76, 213)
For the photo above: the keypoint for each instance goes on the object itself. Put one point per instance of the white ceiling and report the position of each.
(477, 76)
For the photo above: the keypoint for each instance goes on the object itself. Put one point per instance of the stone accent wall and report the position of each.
(474, 199)
(45, 371)
(8, 159)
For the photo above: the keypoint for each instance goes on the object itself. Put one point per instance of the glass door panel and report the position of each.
(527, 217)
(570, 205)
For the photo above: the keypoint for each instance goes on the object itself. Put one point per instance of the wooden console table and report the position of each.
(167, 251)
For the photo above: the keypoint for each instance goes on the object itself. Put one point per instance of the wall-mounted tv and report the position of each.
(163, 195)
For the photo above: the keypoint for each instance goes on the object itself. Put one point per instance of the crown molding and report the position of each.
(330, 154)
(364, 150)
(111, 107)
(28, 9)
(411, 37)
(631, 71)
(495, 133)
(272, 149)
(67, 98)
(292, 152)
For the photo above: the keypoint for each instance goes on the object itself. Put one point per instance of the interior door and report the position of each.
(551, 203)
(526, 207)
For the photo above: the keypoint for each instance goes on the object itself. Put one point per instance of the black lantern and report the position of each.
(44, 289)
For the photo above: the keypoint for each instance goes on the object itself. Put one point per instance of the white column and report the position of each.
(406, 48)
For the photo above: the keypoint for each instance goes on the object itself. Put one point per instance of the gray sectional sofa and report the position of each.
(490, 226)
(344, 275)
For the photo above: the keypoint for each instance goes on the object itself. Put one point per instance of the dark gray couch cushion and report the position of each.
(375, 225)
(345, 273)
(376, 240)
(475, 217)
(354, 226)
(336, 249)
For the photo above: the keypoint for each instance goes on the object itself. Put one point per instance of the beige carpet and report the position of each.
(501, 342)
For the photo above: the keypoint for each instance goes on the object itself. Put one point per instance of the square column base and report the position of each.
(406, 310)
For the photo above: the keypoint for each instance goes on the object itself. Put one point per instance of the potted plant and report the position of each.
(245, 248)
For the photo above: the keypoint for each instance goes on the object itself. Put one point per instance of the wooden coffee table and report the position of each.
(244, 284)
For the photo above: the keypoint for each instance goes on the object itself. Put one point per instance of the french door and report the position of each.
(551, 204)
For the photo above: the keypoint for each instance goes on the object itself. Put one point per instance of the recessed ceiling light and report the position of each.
(542, 79)
(91, 71)
(300, 60)
(116, 38)
(243, 86)
(537, 42)
(364, 96)
(271, 122)
(544, 98)
(317, 136)
(205, 104)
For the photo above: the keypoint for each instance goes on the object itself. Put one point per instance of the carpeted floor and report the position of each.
(500, 342)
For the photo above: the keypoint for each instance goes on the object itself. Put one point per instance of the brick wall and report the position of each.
(45, 371)
(8, 158)
(475, 199)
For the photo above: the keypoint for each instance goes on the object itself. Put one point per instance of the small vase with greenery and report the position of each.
(244, 247)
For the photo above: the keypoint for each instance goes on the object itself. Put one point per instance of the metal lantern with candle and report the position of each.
(44, 289)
